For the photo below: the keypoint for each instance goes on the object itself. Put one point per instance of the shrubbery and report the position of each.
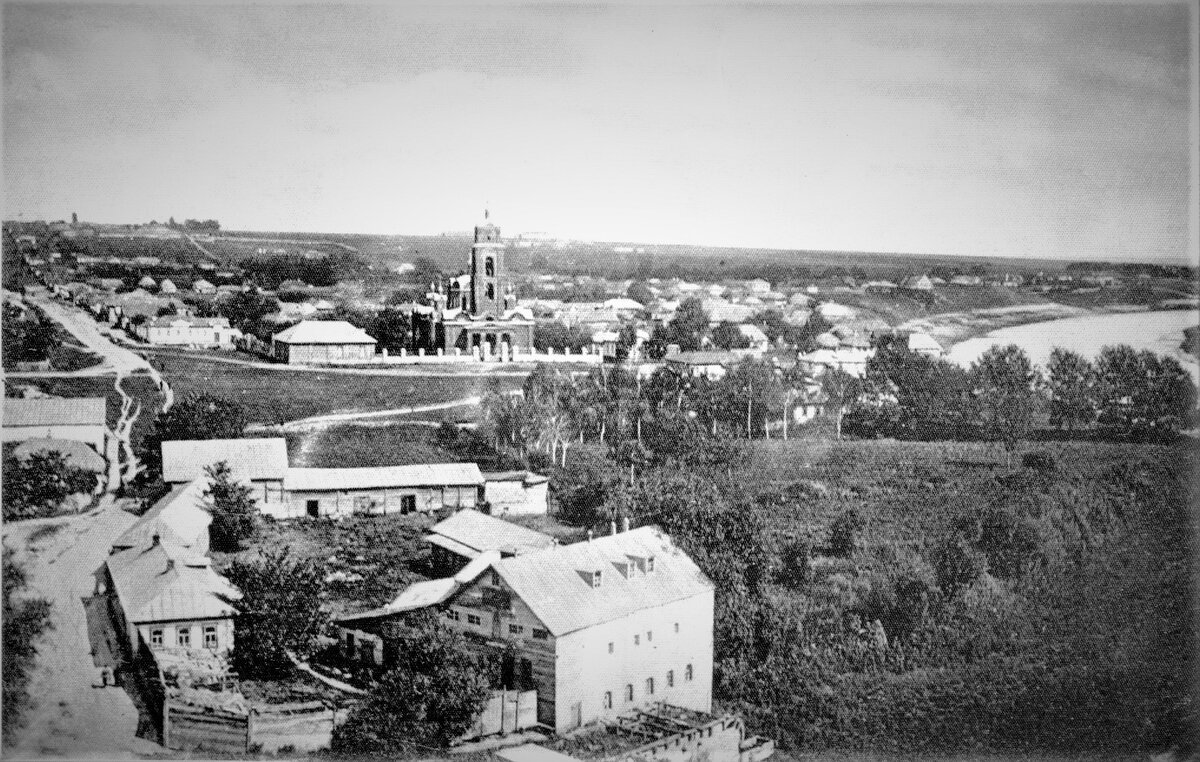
(843, 534)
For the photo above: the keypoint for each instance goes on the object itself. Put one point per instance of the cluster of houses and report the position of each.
(605, 630)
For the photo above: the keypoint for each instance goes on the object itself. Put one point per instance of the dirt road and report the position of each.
(72, 718)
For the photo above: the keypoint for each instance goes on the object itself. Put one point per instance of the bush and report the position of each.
(25, 619)
(843, 534)
(956, 565)
(1009, 541)
(796, 564)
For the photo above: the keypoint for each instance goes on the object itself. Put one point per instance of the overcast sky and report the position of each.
(1060, 131)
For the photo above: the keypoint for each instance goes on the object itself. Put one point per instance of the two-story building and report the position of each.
(599, 628)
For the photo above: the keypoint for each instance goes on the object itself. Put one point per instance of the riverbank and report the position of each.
(950, 328)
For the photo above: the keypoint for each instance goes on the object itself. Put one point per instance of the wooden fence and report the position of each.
(505, 712)
(269, 728)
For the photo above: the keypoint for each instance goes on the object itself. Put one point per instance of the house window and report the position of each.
(496, 578)
(184, 638)
(156, 637)
(687, 673)
(210, 636)
(629, 692)
(408, 504)
(650, 564)
(610, 646)
(515, 629)
(649, 686)
(473, 619)
(540, 634)
(597, 578)
(670, 678)
(637, 640)
(452, 615)
(608, 699)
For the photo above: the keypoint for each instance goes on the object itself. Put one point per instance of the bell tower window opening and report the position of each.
(489, 267)
(491, 291)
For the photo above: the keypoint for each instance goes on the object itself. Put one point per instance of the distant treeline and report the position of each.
(269, 272)
(1133, 269)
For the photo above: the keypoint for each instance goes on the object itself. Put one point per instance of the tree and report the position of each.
(841, 390)
(200, 415)
(26, 336)
(24, 621)
(1140, 394)
(234, 512)
(640, 293)
(1007, 385)
(37, 486)
(244, 308)
(425, 271)
(1071, 383)
(729, 336)
(689, 326)
(279, 612)
(429, 699)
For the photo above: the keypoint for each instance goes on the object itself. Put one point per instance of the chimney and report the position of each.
(624, 523)
(154, 540)
(612, 527)
(170, 564)
(589, 535)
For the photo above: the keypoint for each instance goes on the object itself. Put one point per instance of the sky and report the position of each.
(1061, 131)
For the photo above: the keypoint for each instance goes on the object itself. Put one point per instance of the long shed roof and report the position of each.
(476, 532)
(54, 411)
(416, 475)
(254, 459)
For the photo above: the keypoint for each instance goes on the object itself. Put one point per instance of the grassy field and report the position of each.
(276, 396)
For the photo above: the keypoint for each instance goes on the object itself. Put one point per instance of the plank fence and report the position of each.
(267, 728)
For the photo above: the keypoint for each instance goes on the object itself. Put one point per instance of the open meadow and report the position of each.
(274, 396)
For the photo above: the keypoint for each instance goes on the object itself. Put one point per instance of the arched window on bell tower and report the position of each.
(491, 291)
(489, 267)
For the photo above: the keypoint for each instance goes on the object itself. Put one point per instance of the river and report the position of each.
(1161, 331)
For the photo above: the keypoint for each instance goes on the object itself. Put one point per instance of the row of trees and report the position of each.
(1125, 393)
(27, 336)
(35, 487)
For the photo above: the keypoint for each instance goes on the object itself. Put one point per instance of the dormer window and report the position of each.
(650, 564)
(597, 578)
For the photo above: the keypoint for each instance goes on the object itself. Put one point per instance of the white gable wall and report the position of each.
(585, 669)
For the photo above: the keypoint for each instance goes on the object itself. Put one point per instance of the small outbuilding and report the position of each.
(314, 342)
(516, 492)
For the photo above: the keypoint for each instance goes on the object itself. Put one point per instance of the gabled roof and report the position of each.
(250, 459)
(923, 341)
(323, 332)
(75, 453)
(705, 358)
(470, 532)
(159, 583)
(553, 584)
(179, 519)
(54, 411)
(526, 477)
(416, 475)
(431, 592)
(166, 321)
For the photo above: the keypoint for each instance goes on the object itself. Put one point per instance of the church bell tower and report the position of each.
(487, 271)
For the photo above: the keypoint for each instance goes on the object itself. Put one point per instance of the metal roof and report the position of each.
(160, 583)
(179, 518)
(479, 532)
(531, 752)
(76, 454)
(556, 583)
(53, 411)
(527, 477)
(429, 592)
(416, 475)
(323, 332)
(253, 459)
